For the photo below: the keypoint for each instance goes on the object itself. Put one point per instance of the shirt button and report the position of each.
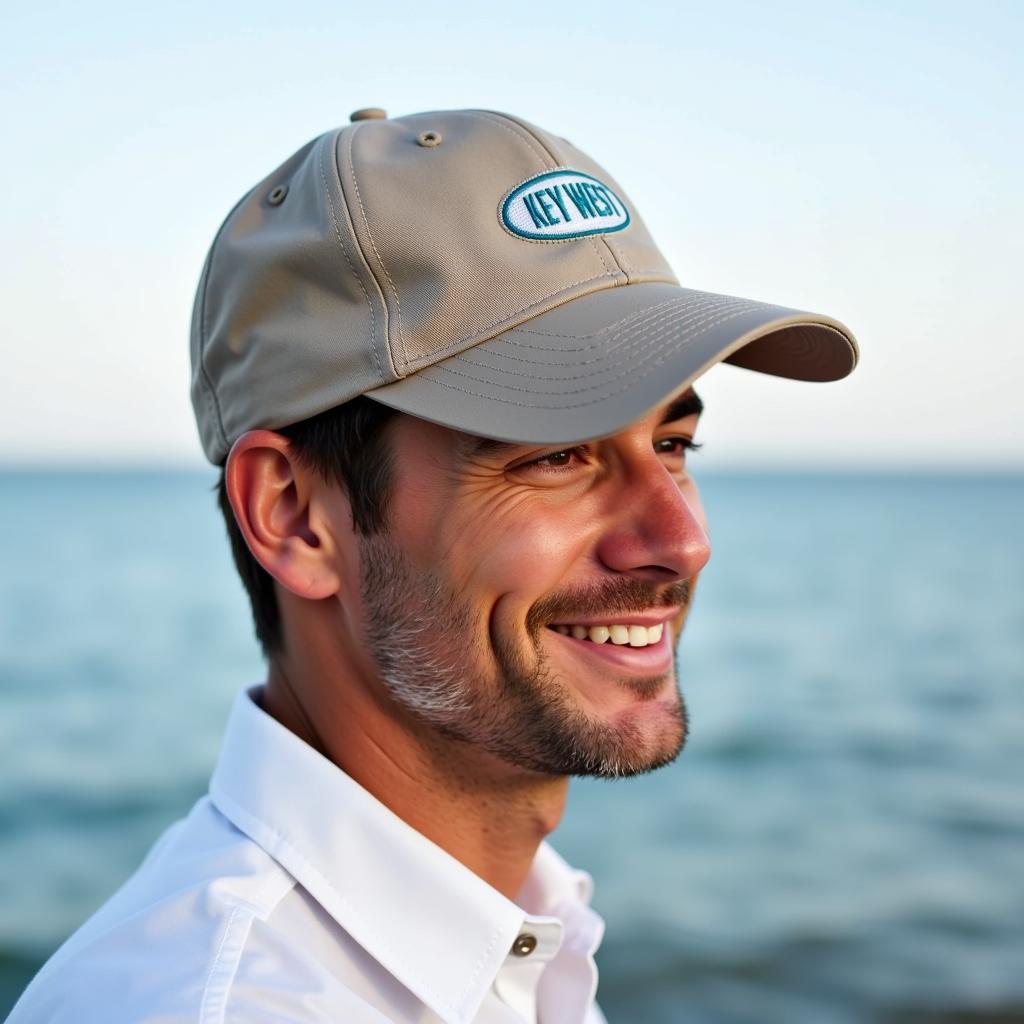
(524, 945)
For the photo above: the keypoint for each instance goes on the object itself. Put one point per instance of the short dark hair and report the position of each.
(345, 445)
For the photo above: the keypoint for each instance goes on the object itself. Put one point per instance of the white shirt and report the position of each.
(290, 894)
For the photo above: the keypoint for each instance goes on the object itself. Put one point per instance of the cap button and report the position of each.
(368, 114)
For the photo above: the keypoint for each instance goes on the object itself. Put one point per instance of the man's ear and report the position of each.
(271, 495)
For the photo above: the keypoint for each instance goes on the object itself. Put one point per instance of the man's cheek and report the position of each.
(535, 561)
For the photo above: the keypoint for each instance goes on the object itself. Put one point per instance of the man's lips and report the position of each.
(651, 617)
(654, 659)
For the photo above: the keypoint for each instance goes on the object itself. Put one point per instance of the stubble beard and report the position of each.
(423, 638)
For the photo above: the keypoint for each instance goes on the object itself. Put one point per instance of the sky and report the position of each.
(862, 160)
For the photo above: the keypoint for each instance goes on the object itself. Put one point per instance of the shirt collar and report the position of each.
(434, 925)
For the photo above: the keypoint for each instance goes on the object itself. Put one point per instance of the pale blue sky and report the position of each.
(861, 159)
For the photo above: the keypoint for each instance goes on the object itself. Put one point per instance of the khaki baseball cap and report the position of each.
(472, 269)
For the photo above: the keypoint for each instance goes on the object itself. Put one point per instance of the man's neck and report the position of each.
(488, 815)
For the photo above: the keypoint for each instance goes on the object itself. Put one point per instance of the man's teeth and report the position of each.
(634, 636)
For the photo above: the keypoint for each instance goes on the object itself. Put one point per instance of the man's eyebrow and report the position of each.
(689, 404)
(473, 446)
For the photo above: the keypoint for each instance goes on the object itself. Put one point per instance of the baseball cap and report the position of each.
(468, 268)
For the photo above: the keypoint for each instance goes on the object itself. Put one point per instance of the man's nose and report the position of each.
(658, 532)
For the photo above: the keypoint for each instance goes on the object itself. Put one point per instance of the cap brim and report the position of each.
(590, 367)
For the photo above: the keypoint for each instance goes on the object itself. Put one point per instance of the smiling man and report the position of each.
(449, 379)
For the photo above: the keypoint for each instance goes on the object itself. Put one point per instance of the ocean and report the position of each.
(841, 841)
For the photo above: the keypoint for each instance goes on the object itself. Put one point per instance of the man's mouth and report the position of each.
(620, 634)
(628, 643)
(624, 634)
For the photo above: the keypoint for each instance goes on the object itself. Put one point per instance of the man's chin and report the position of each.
(640, 736)
(606, 680)
(638, 751)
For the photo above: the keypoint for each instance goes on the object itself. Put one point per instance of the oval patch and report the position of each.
(563, 204)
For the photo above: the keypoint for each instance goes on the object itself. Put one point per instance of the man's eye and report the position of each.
(556, 460)
(676, 446)
(568, 457)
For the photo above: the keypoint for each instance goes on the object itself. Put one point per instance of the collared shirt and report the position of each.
(289, 894)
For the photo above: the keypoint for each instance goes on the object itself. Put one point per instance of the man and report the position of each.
(449, 379)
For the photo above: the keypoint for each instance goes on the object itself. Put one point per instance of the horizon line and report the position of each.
(127, 467)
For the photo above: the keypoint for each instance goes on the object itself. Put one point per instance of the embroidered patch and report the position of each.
(563, 204)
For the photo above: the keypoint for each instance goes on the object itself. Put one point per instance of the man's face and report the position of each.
(493, 600)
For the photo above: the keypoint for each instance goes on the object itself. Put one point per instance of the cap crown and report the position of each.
(392, 248)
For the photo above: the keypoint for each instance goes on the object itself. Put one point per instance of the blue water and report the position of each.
(842, 840)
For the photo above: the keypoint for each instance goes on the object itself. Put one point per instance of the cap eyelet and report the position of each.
(429, 139)
(276, 196)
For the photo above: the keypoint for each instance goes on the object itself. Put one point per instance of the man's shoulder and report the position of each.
(167, 944)
(200, 871)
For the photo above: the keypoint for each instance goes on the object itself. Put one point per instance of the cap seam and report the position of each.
(622, 345)
(618, 257)
(373, 245)
(702, 327)
(499, 327)
(344, 252)
(629, 319)
(204, 284)
(621, 349)
(545, 154)
(594, 240)
(577, 391)
(496, 117)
